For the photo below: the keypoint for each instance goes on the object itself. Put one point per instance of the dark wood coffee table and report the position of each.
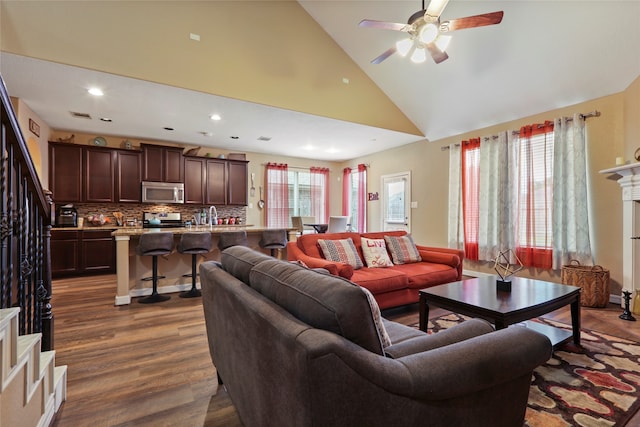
(529, 298)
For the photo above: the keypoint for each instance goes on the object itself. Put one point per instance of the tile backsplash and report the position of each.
(135, 210)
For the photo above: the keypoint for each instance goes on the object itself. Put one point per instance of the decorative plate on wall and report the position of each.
(99, 141)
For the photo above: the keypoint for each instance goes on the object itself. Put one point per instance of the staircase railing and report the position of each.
(25, 231)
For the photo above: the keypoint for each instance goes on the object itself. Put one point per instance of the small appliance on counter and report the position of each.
(161, 220)
(66, 216)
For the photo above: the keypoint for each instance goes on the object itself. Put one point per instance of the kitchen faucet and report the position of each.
(213, 220)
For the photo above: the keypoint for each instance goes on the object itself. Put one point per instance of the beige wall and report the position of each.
(37, 145)
(429, 167)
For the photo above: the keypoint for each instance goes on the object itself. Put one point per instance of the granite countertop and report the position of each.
(132, 231)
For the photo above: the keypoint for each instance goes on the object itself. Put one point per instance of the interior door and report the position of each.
(396, 202)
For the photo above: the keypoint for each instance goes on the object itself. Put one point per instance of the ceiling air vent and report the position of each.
(264, 138)
(80, 115)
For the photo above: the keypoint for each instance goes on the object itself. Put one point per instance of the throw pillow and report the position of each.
(375, 253)
(385, 341)
(403, 250)
(341, 251)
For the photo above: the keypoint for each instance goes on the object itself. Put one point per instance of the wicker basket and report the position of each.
(594, 281)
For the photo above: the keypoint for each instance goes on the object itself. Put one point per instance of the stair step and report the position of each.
(60, 385)
(8, 342)
(6, 314)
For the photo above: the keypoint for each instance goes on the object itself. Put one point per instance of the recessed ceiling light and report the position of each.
(106, 119)
(95, 91)
(167, 128)
(215, 117)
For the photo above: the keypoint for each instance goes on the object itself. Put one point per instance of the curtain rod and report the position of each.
(298, 167)
(585, 116)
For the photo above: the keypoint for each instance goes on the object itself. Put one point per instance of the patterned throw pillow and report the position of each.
(403, 250)
(375, 253)
(341, 251)
(385, 341)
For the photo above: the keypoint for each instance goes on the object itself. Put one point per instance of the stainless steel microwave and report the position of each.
(162, 192)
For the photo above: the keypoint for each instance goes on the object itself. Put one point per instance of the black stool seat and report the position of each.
(273, 239)
(154, 244)
(194, 244)
(232, 238)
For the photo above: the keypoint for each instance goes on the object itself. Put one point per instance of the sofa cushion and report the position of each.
(403, 250)
(308, 243)
(341, 251)
(322, 301)
(383, 336)
(422, 274)
(239, 260)
(380, 280)
(375, 253)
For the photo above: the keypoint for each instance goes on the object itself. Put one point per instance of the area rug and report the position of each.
(597, 384)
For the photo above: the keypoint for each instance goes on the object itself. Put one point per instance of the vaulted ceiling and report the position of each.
(299, 73)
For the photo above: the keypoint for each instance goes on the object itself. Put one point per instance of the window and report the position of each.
(531, 218)
(296, 192)
(354, 190)
(535, 190)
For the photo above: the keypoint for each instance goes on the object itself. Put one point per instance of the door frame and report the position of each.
(407, 203)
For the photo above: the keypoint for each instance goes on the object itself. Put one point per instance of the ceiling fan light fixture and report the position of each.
(419, 55)
(443, 42)
(428, 33)
(404, 46)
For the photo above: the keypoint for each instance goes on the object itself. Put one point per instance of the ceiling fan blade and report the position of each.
(472, 21)
(437, 55)
(387, 53)
(436, 7)
(394, 26)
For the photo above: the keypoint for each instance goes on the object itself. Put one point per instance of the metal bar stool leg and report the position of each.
(194, 291)
(155, 296)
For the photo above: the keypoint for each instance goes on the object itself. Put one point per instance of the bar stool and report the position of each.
(232, 238)
(194, 244)
(154, 244)
(273, 239)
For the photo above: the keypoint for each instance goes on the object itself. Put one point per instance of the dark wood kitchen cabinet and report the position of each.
(94, 174)
(98, 252)
(162, 164)
(65, 252)
(80, 252)
(99, 172)
(215, 181)
(194, 180)
(237, 182)
(216, 188)
(128, 176)
(66, 172)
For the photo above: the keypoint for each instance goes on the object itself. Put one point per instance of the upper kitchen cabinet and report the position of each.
(216, 189)
(66, 172)
(162, 164)
(99, 175)
(215, 181)
(237, 172)
(128, 176)
(94, 174)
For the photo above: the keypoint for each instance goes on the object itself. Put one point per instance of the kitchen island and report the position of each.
(131, 268)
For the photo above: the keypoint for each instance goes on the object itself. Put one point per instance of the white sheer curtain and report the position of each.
(456, 223)
(570, 196)
(496, 195)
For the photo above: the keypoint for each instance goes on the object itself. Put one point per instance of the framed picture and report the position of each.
(34, 127)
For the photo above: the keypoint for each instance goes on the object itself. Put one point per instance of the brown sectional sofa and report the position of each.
(391, 286)
(297, 347)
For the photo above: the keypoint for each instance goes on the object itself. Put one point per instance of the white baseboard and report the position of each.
(123, 300)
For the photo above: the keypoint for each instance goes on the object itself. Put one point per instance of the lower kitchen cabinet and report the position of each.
(80, 252)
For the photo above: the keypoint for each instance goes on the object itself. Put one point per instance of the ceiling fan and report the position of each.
(427, 33)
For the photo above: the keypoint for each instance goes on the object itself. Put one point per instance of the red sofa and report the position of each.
(391, 286)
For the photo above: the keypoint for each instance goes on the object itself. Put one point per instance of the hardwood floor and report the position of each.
(149, 364)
